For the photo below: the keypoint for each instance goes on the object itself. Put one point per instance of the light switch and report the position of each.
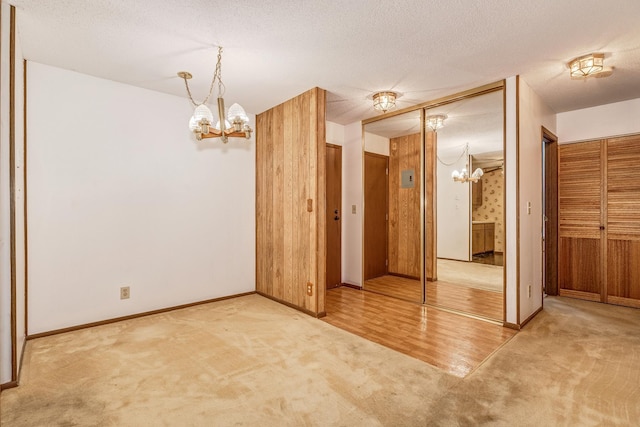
(529, 208)
(353, 209)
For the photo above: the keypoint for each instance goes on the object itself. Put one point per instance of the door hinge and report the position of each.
(386, 171)
(386, 217)
(309, 205)
(386, 262)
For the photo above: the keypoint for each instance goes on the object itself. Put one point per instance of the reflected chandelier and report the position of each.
(463, 176)
(235, 122)
(435, 121)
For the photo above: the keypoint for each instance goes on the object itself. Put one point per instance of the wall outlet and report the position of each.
(309, 288)
(529, 291)
(353, 209)
(124, 292)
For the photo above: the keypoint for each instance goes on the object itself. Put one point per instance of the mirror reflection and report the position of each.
(470, 201)
(392, 215)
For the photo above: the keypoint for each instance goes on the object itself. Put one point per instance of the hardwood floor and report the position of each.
(454, 343)
(468, 300)
(449, 295)
(399, 287)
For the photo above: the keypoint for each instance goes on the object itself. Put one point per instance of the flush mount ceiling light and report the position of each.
(384, 101)
(435, 122)
(589, 65)
(201, 122)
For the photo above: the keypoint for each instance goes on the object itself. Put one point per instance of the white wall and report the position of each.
(453, 211)
(376, 144)
(533, 115)
(620, 118)
(352, 196)
(120, 194)
(5, 229)
(510, 208)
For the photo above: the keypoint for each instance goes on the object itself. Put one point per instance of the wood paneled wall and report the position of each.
(404, 207)
(290, 202)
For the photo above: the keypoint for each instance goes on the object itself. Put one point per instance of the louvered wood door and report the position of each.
(580, 270)
(623, 221)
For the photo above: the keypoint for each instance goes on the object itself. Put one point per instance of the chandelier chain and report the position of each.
(464, 151)
(216, 76)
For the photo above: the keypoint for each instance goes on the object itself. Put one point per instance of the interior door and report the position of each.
(580, 272)
(334, 215)
(376, 202)
(623, 221)
(550, 216)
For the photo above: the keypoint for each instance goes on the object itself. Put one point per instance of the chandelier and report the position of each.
(435, 121)
(463, 176)
(233, 123)
(384, 101)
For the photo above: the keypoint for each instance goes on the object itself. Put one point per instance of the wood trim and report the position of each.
(12, 190)
(511, 326)
(627, 302)
(504, 204)
(349, 285)
(134, 316)
(369, 153)
(406, 276)
(8, 385)
(528, 319)
(517, 200)
(589, 296)
(288, 304)
(328, 144)
(488, 88)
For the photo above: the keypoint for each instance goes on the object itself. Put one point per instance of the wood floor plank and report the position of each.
(449, 295)
(451, 342)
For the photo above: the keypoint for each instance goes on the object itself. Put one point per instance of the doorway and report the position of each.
(333, 215)
(550, 213)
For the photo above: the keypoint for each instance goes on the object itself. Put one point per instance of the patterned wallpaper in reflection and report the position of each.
(492, 205)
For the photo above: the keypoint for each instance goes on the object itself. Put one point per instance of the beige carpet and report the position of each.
(250, 361)
(471, 274)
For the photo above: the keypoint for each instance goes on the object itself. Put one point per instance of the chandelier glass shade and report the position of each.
(201, 122)
(384, 101)
(587, 65)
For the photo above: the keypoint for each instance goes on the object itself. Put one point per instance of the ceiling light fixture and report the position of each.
(463, 176)
(235, 121)
(588, 65)
(436, 121)
(384, 101)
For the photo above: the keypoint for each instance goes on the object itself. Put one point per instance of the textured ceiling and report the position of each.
(276, 49)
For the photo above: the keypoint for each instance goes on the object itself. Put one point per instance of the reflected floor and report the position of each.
(478, 302)
(454, 343)
(462, 286)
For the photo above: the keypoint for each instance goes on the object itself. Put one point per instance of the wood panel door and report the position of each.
(580, 220)
(376, 201)
(623, 221)
(334, 215)
(600, 259)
